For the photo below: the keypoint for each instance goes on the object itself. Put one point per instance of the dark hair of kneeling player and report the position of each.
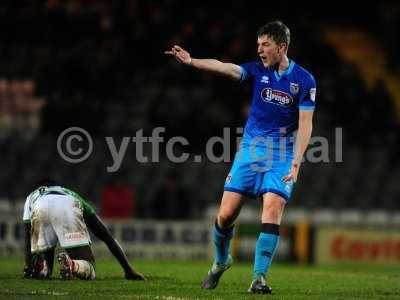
(44, 182)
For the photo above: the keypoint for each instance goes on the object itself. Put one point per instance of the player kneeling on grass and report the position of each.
(55, 214)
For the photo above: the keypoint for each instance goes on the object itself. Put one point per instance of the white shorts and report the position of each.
(57, 218)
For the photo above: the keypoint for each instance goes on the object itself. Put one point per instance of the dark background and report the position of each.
(100, 65)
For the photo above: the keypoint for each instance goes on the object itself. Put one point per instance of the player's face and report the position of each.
(269, 51)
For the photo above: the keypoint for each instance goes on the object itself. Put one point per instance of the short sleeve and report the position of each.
(247, 71)
(308, 94)
(87, 208)
(26, 217)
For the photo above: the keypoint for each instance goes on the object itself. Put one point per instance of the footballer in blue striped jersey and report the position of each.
(275, 138)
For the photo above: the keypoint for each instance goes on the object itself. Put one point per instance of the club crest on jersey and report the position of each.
(264, 79)
(276, 97)
(294, 88)
(228, 178)
(313, 91)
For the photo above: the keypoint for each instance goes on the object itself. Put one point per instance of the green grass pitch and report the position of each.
(181, 280)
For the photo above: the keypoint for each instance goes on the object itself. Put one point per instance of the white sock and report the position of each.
(83, 269)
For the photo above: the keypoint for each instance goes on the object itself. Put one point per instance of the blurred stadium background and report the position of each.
(100, 65)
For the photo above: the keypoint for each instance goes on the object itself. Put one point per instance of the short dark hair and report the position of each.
(276, 30)
(44, 182)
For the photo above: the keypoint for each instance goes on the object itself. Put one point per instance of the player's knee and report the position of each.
(272, 211)
(275, 203)
(272, 215)
(274, 207)
(225, 220)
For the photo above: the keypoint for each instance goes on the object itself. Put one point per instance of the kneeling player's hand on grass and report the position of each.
(132, 275)
(180, 55)
(28, 272)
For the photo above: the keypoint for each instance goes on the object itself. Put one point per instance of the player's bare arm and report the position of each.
(27, 249)
(98, 228)
(302, 140)
(211, 65)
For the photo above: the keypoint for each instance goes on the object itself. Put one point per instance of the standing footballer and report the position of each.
(270, 154)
